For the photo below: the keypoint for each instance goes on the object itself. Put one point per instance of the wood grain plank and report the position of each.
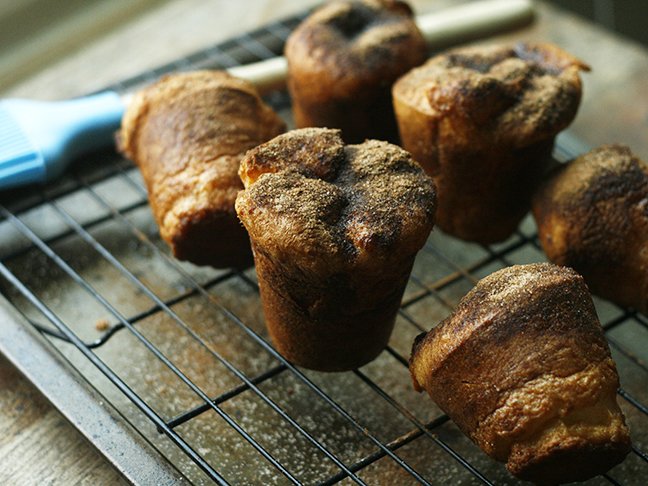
(38, 446)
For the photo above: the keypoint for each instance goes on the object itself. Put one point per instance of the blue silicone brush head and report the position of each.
(38, 138)
(20, 162)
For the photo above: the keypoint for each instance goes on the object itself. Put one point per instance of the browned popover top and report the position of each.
(313, 200)
(505, 303)
(348, 45)
(517, 94)
(608, 185)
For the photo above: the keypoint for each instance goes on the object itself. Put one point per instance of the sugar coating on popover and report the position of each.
(518, 94)
(310, 196)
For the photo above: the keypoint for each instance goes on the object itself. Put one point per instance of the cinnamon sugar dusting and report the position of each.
(507, 292)
(333, 199)
(518, 92)
(359, 26)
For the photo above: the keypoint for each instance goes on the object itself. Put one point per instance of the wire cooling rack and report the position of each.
(180, 355)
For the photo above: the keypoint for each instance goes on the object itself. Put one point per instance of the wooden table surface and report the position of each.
(37, 445)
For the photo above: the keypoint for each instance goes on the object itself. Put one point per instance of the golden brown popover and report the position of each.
(482, 122)
(334, 230)
(187, 133)
(342, 61)
(592, 215)
(523, 368)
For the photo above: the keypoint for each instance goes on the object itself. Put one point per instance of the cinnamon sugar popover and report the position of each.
(187, 133)
(523, 368)
(334, 231)
(342, 61)
(592, 215)
(482, 122)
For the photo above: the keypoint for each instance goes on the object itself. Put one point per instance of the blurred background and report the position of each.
(35, 33)
(627, 17)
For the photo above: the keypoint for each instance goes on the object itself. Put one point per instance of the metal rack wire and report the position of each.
(217, 400)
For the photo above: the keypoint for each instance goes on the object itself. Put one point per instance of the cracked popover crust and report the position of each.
(334, 231)
(482, 122)
(187, 134)
(592, 215)
(342, 61)
(523, 368)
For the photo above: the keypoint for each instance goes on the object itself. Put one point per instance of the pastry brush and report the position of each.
(38, 138)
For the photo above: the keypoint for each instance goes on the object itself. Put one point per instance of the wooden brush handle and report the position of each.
(440, 29)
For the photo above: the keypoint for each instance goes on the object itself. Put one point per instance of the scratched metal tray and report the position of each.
(167, 368)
